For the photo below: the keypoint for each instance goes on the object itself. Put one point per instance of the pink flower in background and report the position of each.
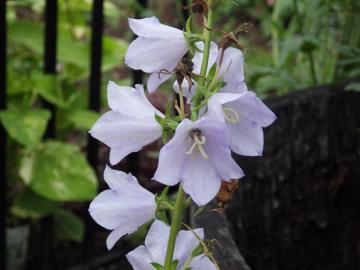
(270, 2)
(158, 47)
(124, 207)
(198, 156)
(154, 250)
(130, 124)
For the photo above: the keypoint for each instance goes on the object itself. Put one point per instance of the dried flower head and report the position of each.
(198, 6)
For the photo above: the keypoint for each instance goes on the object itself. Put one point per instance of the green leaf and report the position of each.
(158, 266)
(82, 119)
(161, 215)
(27, 33)
(168, 109)
(68, 226)
(172, 124)
(114, 50)
(309, 44)
(48, 87)
(174, 264)
(164, 193)
(59, 172)
(26, 127)
(30, 205)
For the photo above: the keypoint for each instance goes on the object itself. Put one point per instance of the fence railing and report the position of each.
(3, 203)
(49, 67)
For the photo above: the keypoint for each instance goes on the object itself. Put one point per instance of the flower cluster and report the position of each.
(224, 117)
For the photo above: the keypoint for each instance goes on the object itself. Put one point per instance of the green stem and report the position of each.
(275, 18)
(312, 68)
(204, 65)
(175, 226)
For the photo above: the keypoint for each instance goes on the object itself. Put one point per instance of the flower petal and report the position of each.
(215, 110)
(232, 67)
(234, 87)
(155, 80)
(187, 92)
(125, 183)
(202, 262)
(151, 28)
(186, 242)
(200, 179)
(222, 160)
(251, 107)
(156, 241)
(247, 138)
(151, 55)
(129, 101)
(172, 156)
(140, 259)
(125, 134)
(198, 57)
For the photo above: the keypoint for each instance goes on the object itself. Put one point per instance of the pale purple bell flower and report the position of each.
(246, 115)
(124, 207)
(158, 47)
(130, 125)
(154, 250)
(199, 157)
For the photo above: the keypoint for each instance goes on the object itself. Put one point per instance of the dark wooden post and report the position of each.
(3, 203)
(50, 46)
(94, 104)
(95, 73)
(50, 42)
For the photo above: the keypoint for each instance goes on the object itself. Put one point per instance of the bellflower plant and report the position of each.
(223, 116)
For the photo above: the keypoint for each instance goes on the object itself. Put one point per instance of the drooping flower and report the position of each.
(246, 115)
(158, 48)
(124, 207)
(199, 156)
(130, 124)
(156, 242)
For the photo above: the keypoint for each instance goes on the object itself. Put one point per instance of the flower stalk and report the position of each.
(205, 61)
(179, 205)
(175, 226)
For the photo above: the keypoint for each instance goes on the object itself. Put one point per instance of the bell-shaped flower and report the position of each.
(157, 50)
(246, 115)
(124, 207)
(130, 124)
(199, 157)
(154, 250)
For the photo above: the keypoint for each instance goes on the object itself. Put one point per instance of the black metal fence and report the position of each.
(49, 67)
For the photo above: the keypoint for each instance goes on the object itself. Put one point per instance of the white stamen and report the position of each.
(198, 143)
(231, 115)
